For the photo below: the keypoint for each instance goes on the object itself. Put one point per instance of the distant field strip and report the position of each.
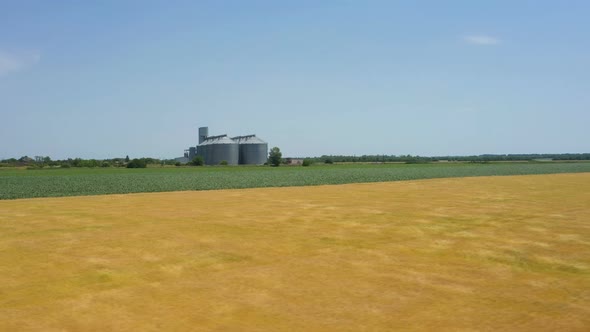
(471, 254)
(76, 182)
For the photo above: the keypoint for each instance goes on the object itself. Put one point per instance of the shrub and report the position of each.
(137, 163)
(197, 161)
(306, 162)
(329, 161)
(223, 162)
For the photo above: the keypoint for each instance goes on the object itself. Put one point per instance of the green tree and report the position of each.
(137, 163)
(274, 156)
(197, 161)
(127, 159)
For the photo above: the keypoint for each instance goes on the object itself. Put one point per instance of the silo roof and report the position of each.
(250, 139)
(221, 139)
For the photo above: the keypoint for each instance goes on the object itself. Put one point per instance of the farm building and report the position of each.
(239, 150)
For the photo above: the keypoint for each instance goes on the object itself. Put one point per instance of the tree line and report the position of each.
(45, 161)
(474, 158)
(275, 158)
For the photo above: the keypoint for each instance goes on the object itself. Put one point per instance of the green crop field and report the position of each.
(21, 183)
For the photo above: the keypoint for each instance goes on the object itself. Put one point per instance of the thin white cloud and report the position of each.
(14, 62)
(481, 40)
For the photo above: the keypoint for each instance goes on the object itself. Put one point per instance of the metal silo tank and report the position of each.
(203, 133)
(202, 151)
(191, 153)
(222, 148)
(253, 150)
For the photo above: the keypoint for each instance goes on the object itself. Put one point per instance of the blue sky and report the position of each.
(102, 79)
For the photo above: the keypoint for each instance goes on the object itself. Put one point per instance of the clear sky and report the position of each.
(102, 79)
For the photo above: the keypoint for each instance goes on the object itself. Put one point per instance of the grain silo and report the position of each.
(245, 150)
(202, 149)
(192, 152)
(215, 149)
(203, 133)
(253, 150)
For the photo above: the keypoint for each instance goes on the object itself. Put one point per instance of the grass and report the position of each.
(481, 253)
(74, 182)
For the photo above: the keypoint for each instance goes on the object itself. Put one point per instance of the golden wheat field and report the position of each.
(463, 254)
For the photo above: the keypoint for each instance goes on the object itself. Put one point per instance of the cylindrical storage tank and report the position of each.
(220, 148)
(202, 150)
(192, 152)
(203, 133)
(253, 150)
